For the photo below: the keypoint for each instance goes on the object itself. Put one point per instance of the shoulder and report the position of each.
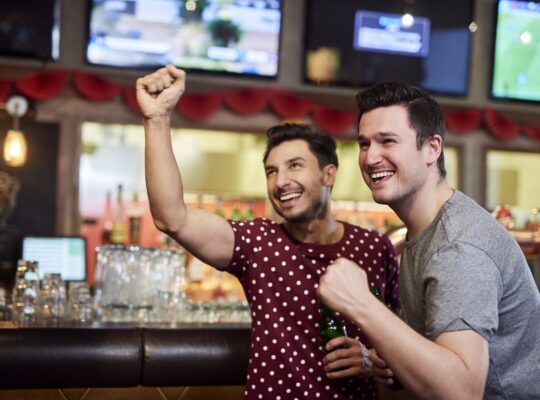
(256, 227)
(366, 236)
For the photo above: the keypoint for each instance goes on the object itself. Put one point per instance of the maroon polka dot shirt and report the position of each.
(280, 276)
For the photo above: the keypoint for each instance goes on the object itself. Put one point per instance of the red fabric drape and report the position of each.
(5, 90)
(199, 107)
(95, 88)
(248, 101)
(130, 98)
(287, 105)
(464, 121)
(42, 86)
(532, 132)
(46, 85)
(335, 122)
(500, 126)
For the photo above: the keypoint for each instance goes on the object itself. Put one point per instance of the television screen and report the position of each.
(30, 29)
(57, 254)
(423, 43)
(516, 55)
(236, 36)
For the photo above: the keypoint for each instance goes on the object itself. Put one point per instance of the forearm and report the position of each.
(428, 369)
(163, 179)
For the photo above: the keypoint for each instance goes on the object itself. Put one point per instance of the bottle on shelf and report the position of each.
(330, 326)
(107, 220)
(135, 213)
(218, 208)
(236, 215)
(250, 213)
(118, 231)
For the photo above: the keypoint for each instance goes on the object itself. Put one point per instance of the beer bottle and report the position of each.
(330, 325)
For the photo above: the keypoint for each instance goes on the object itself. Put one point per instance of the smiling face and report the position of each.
(297, 187)
(391, 163)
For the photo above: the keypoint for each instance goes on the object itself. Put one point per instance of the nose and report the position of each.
(370, 156)
(282, 179)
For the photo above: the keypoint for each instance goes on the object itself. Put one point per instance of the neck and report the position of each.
(419, 211)
(321, 230)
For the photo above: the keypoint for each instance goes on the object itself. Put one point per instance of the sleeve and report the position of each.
(462, 287)
(391, 293)
(241, 248)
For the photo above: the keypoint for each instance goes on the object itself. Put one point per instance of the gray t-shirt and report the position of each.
(465, 271)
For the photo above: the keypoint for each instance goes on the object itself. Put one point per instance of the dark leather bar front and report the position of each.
(195, 356)
(69, 357)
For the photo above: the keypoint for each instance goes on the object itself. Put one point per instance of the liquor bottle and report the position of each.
(377, 293)
(135, 213)
(250, 214)
(235, 214)
(107, 220)
(218, 209)
(397, 384)
(118, 231)
(330, 326)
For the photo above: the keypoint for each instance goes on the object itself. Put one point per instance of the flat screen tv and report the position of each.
(516, 54)
(30, 29)
(239, 37)
(57, 254)
(425, 43)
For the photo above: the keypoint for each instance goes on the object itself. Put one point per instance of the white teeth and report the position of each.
(289, 196)
(378, 175)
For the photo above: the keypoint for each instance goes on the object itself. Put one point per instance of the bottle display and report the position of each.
(236, 215)
(135, 213)
(107, 220)
(330, 326)
(118, 231)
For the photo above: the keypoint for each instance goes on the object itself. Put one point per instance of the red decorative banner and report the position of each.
(95, 88)
(199, 107)
(42, 86)
(5, 90)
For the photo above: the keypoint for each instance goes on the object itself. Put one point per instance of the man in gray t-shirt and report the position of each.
(465, 272)
(470, 307)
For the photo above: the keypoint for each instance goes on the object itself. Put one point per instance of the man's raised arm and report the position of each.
(206, 235)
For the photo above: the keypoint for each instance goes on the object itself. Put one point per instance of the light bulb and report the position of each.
(15, 148)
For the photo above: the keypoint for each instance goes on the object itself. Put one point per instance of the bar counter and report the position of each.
(158, 361)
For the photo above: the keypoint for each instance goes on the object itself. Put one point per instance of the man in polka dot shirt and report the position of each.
(278, 264)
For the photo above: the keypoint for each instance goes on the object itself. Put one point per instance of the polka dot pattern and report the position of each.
(280, 276)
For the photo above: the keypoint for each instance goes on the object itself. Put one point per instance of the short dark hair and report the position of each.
(321, 144)
(425, 114)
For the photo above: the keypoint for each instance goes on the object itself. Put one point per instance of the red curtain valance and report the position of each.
(46, 85)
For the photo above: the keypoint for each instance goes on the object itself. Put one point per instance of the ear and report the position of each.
(434, 146)
(329, 175)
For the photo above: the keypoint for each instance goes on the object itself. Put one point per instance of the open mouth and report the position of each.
(286, 197)
(381, 175)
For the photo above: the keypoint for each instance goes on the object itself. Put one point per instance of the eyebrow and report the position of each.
(378, 135)
(289, 161)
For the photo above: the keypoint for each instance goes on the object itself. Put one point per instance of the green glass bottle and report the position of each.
(330, 326)
(377, 293)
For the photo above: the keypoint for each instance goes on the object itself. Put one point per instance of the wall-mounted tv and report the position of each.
(30, 29)
(424, 42)
(236, 36)
(516, 54)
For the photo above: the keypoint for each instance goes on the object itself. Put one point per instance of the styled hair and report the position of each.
(425, 114)
(321, 144)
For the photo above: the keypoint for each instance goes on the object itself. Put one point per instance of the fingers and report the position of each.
(345, 359)
(162, 79)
